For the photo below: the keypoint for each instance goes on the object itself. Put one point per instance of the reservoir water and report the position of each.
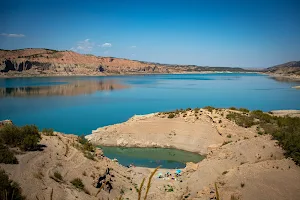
(79, 105)
(151, 157)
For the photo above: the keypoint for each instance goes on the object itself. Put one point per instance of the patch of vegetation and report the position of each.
(171, 115)
(58, 176)
(284, 129)
(6, 155)
(229, 135)
(9, 190)
(225, 172)
(226, 142)
(25, 137)
(86, 145)
(244, 110)
(48, 131)
(232, 108)
(77, 182)
(168, 188)
(241, 120)
(209, 108)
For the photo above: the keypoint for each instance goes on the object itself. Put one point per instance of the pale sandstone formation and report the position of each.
(248, 159)
(197, 132)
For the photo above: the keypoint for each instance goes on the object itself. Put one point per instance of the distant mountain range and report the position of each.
(48, 62)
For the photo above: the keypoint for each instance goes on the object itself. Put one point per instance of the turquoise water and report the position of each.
(81, 112)
(151, 157)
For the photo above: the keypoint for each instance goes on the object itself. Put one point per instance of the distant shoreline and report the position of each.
(20, 75)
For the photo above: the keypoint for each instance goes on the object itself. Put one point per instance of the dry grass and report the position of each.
(101, 188)
(149, 181)
(217, 192)
(140, 189)
(148, 185)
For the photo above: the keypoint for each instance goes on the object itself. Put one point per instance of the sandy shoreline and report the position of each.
(20, 75)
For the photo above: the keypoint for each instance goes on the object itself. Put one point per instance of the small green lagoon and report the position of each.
(151, 157)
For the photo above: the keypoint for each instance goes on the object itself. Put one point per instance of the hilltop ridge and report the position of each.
(30, 62)
(285, 70)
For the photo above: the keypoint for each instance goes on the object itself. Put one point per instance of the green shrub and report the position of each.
(171, 115)
(26, 137)
(30, 142)
(209, 108)
(244, 110)
(232, 108)
(8, 188)
(58, 176)
(82, 140)
(48, 131)
(241, 120)
(263, 117)
(77, 182)
(6, 155)
(10, 135)
(86, 145)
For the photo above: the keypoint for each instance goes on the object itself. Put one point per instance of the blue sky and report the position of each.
(256, 33)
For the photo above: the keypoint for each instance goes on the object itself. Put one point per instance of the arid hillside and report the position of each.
(29, 62)
(289, 69)
(249, 155)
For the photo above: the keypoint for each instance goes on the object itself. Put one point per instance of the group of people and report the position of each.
(169, 175)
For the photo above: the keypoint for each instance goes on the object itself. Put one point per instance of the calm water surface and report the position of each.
(81, 104)
(151, 157)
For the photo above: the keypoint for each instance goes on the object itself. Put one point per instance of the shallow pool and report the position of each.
(151, 157)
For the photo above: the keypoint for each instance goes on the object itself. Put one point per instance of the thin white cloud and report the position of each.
(12, 35)
(106, 45)
(83, 46)
(133, 46)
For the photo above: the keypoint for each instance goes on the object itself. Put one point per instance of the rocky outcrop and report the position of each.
(7, 121)
(13, 65)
